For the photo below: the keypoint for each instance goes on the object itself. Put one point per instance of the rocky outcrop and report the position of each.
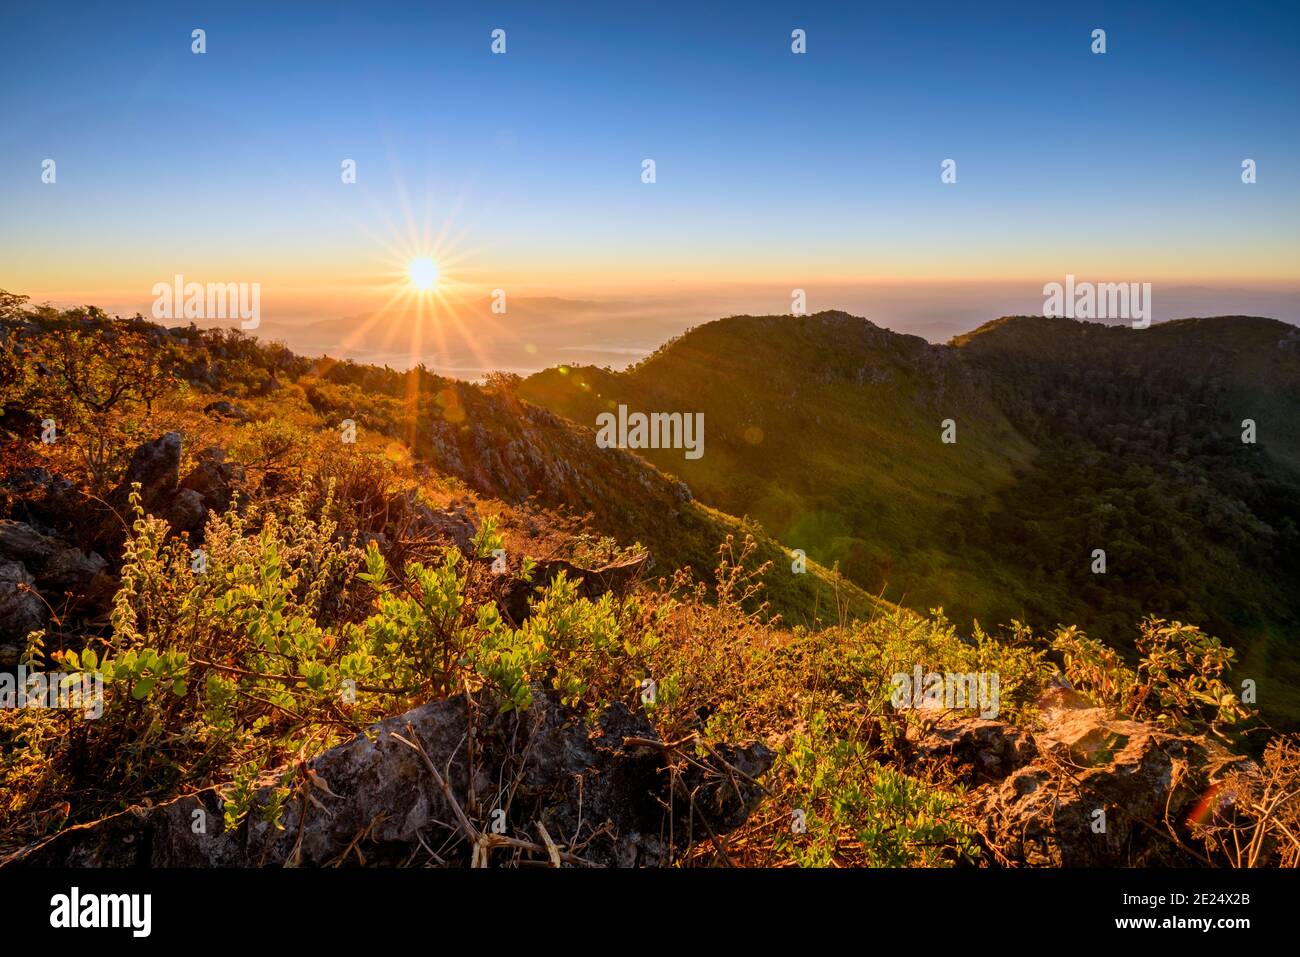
(1085, 788)
(1107, 792)
(185, 504)
(55, 565)
(452, 782)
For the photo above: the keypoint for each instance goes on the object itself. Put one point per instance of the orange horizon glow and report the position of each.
(379, 286)
(370, 274)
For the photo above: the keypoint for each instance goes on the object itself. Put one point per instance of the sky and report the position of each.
(774, 171)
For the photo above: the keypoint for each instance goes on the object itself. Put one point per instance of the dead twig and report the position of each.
(482, 844)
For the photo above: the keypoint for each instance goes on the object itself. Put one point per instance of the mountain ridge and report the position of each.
(1070, 436)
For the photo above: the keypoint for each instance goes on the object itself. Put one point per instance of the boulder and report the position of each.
(156, 467)
(214, 479)
(1104, 792)
(211, 486)
(187, 512)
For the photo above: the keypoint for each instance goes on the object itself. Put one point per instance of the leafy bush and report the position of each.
(1178, 682)
(280, 638)
(859, 812)
(95, 377)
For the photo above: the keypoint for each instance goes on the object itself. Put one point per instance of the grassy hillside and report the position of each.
(827, 431)
(1070, 437)
(517, 452)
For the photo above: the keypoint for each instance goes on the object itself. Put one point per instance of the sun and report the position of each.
(423, 272)
(428, 309)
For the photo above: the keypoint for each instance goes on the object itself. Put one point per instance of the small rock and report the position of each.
(980, 750)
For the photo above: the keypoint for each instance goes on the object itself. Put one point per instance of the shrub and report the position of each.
(861, 813)
(1178, 682)
(97, 382)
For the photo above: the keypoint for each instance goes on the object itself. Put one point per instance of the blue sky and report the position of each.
(771, 166)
